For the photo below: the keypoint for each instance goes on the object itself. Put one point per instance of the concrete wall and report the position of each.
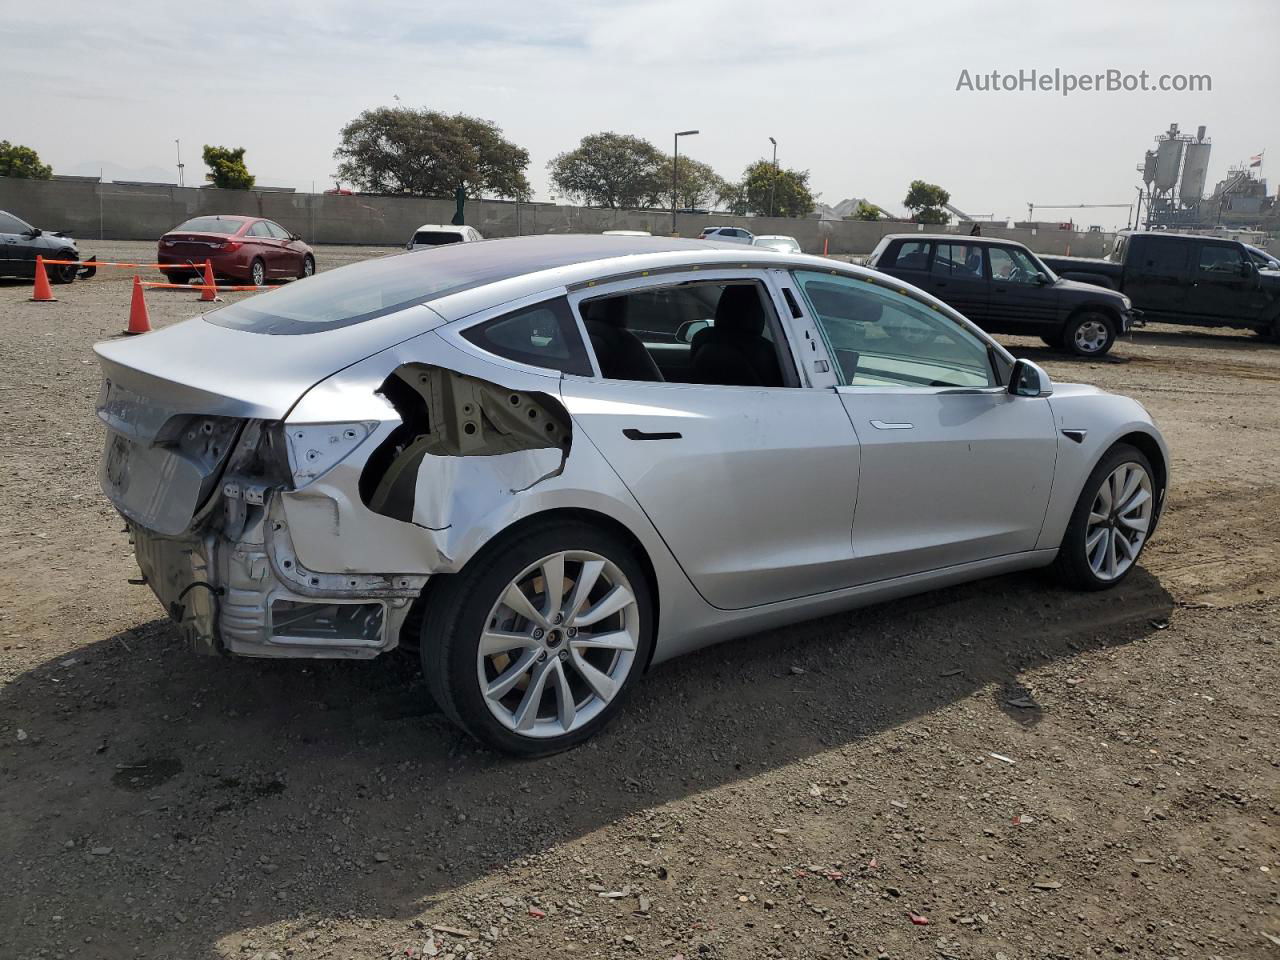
(114, 211)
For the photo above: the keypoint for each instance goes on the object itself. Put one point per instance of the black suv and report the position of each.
(21, 243)
(1004, 288)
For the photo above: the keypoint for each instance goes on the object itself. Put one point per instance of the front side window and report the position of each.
(1012, 265)
(881, 338)
(958, 261)
(543, 335)
(11, 224)
(277, 231)
(1219, 258)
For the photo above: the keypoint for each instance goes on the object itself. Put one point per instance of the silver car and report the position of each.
(551, 462)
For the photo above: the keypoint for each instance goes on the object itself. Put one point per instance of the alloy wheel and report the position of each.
(1119, 520)
(259, 273)
(1091, 336)
(558, 644)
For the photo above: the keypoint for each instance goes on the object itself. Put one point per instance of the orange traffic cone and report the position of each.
(139, 322)
(210, 291)
(42, 293)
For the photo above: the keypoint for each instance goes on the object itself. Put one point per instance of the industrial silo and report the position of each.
(1149, 168)
(1195, 169)
(1168, 160)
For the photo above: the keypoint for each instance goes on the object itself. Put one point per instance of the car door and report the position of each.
(956, 276)
(265, 246)
(752, 488)
(1224, 284)
(17, 248)
(953, 468)
(1158, 274)
(1021, 300)
(290, 253)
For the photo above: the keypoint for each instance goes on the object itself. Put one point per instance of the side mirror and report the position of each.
(35, 232)
(295, 236)
(1042, 280)
(1028, 380)
(1247, 268)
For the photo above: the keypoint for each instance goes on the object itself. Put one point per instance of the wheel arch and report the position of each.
(548, 517)
(1093, 306)
(1154, 452)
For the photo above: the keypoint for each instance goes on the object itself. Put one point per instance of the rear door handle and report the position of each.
(631, 433)
(884, 425)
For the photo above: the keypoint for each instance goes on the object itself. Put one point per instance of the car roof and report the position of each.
(446, 227)
(774, 236)
(955, 237)
(508, 268)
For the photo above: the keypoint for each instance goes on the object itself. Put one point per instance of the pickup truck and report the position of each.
(1185, 279)
(1005, 288)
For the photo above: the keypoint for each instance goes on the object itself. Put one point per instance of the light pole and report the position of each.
(675, 166)
(178, 145)
(773, 181)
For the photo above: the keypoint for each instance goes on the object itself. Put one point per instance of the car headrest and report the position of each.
(739, 311)
(611, 311)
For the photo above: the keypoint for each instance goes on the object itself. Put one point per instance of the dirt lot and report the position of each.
(1037, 773)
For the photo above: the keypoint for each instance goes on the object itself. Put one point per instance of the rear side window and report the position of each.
(958, 260)
(913, 255)
(1161, 257)
(544, 335)
(259, 229)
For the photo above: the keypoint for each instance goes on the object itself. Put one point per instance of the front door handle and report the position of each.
(884, 425)
(631, 433)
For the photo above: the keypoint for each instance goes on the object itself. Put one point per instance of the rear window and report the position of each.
(210, 225)
(375, 288)
(435, 238)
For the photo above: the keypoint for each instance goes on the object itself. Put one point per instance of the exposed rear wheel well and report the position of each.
(549, 518)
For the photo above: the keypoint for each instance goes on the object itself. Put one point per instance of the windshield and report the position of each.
(209, 225)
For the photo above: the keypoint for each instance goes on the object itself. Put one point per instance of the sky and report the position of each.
(862, 95)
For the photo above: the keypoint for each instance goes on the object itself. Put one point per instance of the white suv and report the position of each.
(438, 234)
(729, 234)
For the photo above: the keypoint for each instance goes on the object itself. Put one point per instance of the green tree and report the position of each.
(226, 168)
(763, 188)
(613, 170)
(697, 185)
(925, 201)
(425, 153)
(19, 161)
(867, 211)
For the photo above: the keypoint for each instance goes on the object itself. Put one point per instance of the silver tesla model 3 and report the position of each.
(550, 462)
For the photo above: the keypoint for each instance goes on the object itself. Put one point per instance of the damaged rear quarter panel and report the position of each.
(459, 490)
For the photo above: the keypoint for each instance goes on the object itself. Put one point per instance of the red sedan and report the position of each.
(248, 249)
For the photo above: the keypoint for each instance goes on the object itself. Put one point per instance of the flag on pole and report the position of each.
(1256, 160)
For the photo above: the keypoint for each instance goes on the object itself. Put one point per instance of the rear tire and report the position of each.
(1105, 538)
(258, 272)
(578, 655)
(1089, 334)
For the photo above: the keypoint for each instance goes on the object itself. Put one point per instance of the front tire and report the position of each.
(308, 267)
(1089, 334)
(1111, 521)
(63, 273)
(534, 645)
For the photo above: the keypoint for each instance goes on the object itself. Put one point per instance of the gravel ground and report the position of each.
(1035, 773)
